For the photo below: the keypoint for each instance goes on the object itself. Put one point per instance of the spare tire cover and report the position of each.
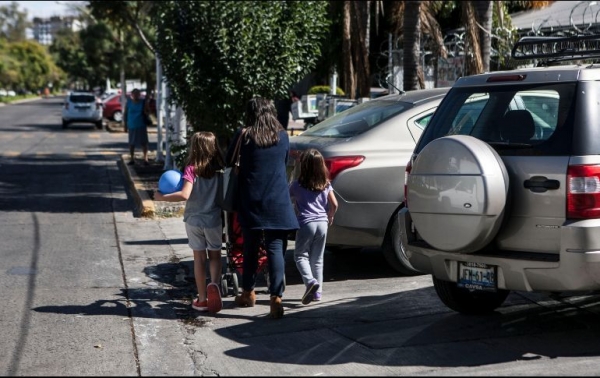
(457, 191)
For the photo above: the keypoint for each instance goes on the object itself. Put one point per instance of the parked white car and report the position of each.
(82, 107)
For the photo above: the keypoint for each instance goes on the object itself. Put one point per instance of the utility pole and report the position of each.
(123, 84)
(168, 126)
(333, 83)
(159, 112)
(391, 89)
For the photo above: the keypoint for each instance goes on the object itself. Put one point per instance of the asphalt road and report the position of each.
(88, 289)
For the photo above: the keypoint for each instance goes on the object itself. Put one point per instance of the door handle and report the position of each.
(541, 184)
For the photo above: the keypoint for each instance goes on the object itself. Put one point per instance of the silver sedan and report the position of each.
(366, 149)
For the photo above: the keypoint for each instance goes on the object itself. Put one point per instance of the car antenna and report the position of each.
(400, 91)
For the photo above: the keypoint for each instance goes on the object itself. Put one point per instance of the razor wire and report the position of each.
(584, 22)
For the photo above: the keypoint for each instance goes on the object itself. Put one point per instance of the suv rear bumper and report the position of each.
(83, 119)
(576, 270)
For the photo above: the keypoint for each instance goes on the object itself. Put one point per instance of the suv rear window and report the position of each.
(82, 98)
(357, 119)
(514, 119)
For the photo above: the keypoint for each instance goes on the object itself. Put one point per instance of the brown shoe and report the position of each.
(276, 308)
(247, 299)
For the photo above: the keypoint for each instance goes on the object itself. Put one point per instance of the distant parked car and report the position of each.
(11, 93)
(82, 107)
(113, 110)
(366, 149)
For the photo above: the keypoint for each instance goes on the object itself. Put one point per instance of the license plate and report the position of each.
(476, 276)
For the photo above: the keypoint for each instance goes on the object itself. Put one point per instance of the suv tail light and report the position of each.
(98, 105)
(67, 105)
(406, 174)
(337, 164)
(583, 191)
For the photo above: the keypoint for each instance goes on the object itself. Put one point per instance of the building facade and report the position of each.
(44, 29)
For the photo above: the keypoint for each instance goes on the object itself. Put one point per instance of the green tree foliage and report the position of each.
(218, 54)
(101, 52)
(9, 67)
(132, 26)
(36, 68)
(128, 16)
(13, 22)
(69, 56)
(325, 89)
(95, 53)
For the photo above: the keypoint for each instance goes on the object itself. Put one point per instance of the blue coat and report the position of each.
(264, 197)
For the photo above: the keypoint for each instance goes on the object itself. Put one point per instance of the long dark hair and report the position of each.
(314, 175)
(205, 155)
(261, 122)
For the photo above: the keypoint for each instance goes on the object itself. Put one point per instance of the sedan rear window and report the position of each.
(82, 99)
(358, 119)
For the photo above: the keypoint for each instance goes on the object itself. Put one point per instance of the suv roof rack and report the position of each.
(557, 49)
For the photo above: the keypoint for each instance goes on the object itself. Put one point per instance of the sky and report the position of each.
(41, 8)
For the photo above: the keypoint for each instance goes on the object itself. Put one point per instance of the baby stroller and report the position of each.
(234, 257)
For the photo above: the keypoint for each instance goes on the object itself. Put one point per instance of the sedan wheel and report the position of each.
(394, 251)
(117, 116)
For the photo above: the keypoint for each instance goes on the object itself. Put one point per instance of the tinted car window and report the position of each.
(543, 104)
(422, 122)
(81, 98)
(358, 119)
(516, 120)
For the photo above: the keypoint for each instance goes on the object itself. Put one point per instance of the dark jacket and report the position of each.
(264, 197)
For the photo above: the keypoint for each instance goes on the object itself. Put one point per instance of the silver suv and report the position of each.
(503, 188)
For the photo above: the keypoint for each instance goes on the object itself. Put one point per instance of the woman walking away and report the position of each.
(316, 205)
(265, 209)
(202, 216)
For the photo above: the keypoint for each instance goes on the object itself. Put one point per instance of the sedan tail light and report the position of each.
(583, 192)
(337, 164)
(294, 154)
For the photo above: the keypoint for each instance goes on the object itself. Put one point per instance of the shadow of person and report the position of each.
(408, 329)
(143, 303)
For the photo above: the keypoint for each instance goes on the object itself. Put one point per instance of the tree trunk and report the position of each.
(360, 47)
(484, 17)
(349, 83)
(472, 50)
(412, 44)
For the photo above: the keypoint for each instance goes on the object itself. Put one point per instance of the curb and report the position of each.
(114, 127)
(140, 196)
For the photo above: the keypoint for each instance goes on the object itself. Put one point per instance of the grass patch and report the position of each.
(8, 100)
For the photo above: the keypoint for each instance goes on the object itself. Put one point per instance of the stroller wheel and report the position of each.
(224, 288)
(235, 284)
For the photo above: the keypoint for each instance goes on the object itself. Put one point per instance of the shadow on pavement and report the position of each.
(144, 303)
(411, 333)
(157, 242)
(60, 184)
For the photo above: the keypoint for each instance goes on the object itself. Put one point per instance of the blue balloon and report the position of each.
(170, 182)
